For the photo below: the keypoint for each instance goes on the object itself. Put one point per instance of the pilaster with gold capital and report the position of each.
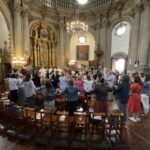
(26, 39)
(145, 36)
(17, 30)
(135, 35)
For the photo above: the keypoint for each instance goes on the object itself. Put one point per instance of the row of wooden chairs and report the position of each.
(80, 120)
(28, 122)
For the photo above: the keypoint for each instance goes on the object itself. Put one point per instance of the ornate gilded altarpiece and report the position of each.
(43, 40)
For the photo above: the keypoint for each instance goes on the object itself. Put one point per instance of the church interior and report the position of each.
(74, 74)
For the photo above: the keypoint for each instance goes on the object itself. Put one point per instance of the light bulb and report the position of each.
(82, 39)
(82, 2)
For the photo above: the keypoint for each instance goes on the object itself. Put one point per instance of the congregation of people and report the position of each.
(131, 93)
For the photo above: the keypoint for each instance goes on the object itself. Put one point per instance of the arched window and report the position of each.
(120, 46)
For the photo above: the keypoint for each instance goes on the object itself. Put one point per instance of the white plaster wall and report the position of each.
(120, 44)
(89, 41)
(4, 33)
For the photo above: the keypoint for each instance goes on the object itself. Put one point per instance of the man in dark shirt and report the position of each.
(101, 91)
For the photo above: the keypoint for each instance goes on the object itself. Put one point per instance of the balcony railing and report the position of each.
(71, 6)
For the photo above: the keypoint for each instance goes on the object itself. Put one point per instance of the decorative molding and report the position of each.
(8, 17)
(17, 8)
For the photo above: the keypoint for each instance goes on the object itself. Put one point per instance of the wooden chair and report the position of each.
(30, 113)
(29, 128)
(80, 123)
(44, 132)
(115, 123)
(91, 101)
(97, 124)
(80, 130)
(61, 127)
(13, 131)
(60, 103)
(114, 131)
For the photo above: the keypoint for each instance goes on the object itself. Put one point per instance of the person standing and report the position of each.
(101, 91)
(55, 79)
(145, 95)
(72, 96)
(134, 104)
(13, 87)
(122, 95)
(63, 82)
(21, 94)
(29, 89)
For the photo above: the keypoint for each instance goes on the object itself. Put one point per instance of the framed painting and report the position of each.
(82, 52)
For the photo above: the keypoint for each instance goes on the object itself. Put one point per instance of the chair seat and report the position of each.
(25, 136)
(61, 143)
(42, 140)
(79, 144)
(101, 145)
(11, 133)
(120, 145)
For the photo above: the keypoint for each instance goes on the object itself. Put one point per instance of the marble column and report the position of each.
(108, 46)
(11, 43)
(97, 35)
(149, 57)
(17, 30)
(53, 54)
(67, 46)
(61, 45)
(26, 38)
(134, 39)
(145, 37)
(103, 42)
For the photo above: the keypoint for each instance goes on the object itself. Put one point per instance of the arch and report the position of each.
(43, 43)
(119, 55)
(123, 19)
(36, 23)
(8, 18)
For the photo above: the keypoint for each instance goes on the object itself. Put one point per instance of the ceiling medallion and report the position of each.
(82, 2)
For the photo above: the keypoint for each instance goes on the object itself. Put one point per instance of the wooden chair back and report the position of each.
(116, 123)
(62, 119)
(30, 113)
(80, 119)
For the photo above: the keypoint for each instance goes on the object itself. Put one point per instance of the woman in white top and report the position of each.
(29, 89)
(21, 93)
(88, 85)
(13, 87)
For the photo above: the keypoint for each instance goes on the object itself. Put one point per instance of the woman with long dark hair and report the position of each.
(49, 93)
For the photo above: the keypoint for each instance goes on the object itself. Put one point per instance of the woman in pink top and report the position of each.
(79, 83)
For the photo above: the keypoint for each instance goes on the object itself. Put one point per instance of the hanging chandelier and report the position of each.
(77, 26)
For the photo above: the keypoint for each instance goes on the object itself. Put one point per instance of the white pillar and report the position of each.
(134, 39)
(97, 34)
(145, 37)
(17, 30)
(26, 38)
(67, 45)
(61, 45)
(103, 42)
